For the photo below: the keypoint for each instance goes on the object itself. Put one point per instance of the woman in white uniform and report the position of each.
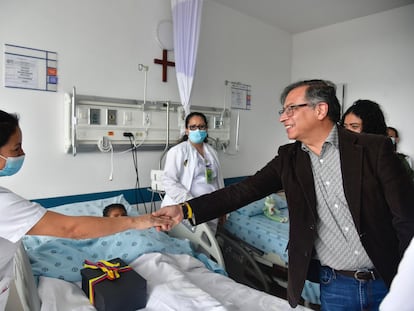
(192, 167)
(20, 216)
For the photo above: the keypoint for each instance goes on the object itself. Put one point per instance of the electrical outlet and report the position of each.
(218, 123)
(111, 117)
(146, 118)
(95, 116)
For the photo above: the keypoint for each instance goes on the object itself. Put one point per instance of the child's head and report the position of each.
(115, 210)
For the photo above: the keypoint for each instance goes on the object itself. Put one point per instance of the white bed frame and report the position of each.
(23, 294)
(202, 238)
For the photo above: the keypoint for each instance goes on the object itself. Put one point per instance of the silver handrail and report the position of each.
(73, 122)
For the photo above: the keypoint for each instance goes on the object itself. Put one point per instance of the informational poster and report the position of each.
(240, 95)
(28, 68)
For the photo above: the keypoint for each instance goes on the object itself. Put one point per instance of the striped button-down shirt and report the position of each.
(338, 245)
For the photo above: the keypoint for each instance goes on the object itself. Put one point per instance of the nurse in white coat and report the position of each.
(20, 216)
(192, 167)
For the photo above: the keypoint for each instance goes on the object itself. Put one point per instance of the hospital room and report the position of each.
(102, 89)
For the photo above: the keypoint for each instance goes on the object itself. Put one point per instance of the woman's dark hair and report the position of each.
(8, 125)
(187, 120)
(318, 91)
(370, 113)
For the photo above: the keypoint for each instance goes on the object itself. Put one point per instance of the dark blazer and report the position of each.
(379, 193)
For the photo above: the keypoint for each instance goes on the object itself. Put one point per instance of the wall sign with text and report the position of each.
(240, 95)
(28, 68)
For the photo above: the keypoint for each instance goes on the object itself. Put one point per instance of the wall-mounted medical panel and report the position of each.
(93, 123)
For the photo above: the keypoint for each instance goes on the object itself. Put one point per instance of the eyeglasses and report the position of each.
(200, 127)
(289, 109)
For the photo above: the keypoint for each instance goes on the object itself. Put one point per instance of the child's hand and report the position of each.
(146, 221)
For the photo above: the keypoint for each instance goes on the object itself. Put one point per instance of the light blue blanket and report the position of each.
(63, 258)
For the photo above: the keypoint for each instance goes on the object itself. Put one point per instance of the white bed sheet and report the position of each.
(174, 282)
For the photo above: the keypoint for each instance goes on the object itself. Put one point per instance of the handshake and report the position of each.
(167, 217)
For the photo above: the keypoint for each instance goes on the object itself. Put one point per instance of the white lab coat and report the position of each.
(400, 296)
(179, 168)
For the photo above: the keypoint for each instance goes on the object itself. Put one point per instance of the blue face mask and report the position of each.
(197, 136)
(12, 166)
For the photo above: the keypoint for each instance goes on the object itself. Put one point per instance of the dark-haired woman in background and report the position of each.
(192, 167)
(365, 116)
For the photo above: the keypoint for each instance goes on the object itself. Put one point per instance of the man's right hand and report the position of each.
(175, 212)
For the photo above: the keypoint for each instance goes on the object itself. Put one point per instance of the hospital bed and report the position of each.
(178, 277)
(262, 243)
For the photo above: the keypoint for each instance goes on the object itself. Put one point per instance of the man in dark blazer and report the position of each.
(350, 201)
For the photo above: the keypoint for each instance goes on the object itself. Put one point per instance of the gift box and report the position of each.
(112, 286)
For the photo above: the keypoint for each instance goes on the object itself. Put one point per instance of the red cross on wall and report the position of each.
(165, 63)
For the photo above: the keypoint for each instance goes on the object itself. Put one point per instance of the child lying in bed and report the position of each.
(115, 210)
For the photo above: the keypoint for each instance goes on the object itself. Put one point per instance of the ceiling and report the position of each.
(295, 16)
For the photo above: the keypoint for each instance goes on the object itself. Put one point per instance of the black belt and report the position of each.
(361, 275)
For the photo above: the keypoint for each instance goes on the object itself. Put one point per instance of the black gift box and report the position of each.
(126, 293)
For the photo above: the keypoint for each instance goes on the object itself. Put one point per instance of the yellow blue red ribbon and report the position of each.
(111, 272)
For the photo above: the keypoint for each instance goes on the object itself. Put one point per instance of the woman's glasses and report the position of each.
(200, 127)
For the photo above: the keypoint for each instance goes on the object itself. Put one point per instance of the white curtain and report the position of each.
(186, 20)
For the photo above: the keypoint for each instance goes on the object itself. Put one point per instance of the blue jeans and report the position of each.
(343, 293)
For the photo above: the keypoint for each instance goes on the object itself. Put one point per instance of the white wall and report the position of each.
(237, 48)
(373, 56)
(99, 45)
